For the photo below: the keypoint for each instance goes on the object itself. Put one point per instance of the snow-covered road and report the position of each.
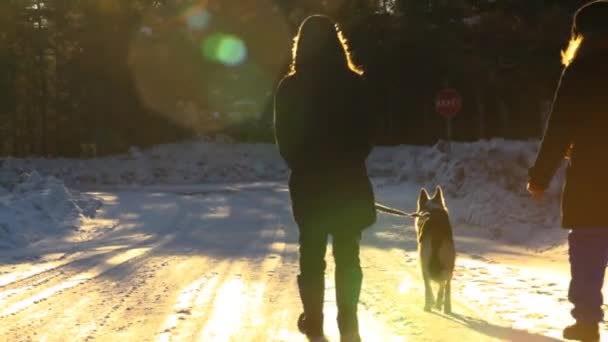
(218, 263)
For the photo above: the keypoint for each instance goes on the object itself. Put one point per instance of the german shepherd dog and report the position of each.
(436, 250)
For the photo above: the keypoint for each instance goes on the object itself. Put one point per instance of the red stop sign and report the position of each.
(448, 103)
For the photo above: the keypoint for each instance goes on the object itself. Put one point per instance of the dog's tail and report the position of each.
(391, 211)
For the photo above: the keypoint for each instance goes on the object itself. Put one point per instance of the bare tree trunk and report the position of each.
(505, 125)
(481, 114)
(42, 78)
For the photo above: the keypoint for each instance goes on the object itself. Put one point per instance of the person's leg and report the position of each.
(311, 280)
(348, 281)
(588, 253)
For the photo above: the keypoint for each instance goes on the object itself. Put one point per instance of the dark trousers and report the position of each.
(588, 250)
(348, 275)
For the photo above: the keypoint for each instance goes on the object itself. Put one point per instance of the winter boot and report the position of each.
(312, 293)
(312, 328)
(582, 332)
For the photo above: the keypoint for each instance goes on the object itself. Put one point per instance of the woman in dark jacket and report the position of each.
(577, 129)
(323, 130)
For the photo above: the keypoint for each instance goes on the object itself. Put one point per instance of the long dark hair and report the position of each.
(320, 45)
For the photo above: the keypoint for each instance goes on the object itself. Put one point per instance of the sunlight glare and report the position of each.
(109, 248)
(406, 285)
(75, 280)
(130, 254)
(569, 54)
(218, 212)
(257, 298)
(226, 313)
(106, 198)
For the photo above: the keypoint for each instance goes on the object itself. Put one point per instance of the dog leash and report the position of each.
(397, 212)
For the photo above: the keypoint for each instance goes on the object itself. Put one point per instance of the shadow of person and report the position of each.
(496, 331)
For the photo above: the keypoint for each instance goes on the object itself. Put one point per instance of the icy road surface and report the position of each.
(219, 263)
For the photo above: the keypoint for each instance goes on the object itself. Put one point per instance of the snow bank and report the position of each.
(184, 163)
(485, 180)
(33, 207)
(468, 165)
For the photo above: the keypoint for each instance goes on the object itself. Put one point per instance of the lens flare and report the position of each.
(198, 18)
(224, 48)
(240, 93)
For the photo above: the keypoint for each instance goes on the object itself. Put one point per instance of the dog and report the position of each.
(436, 251)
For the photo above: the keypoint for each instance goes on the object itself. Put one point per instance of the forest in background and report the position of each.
(83, 77)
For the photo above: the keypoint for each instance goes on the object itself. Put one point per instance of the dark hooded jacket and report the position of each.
(323, 129)
(577, 127)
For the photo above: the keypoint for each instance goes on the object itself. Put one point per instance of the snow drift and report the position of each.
(184, 163)
(484, 181)
(33, 207)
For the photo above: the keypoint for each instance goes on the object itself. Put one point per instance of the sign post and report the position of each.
(448, 103)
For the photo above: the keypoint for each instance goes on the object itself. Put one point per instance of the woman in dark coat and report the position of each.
(323, 129)
(577, 129)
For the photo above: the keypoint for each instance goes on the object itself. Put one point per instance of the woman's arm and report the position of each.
(559, 132)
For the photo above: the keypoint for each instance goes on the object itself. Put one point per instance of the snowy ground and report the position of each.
(486, 178)
(211, 260)
(35, 207)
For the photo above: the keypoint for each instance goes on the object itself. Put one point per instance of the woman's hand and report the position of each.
(535, 191)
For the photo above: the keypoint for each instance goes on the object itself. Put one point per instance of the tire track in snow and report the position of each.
(373, 325)
(108, 263)
(265, 281)
(523, 299)
(191, 305)
(23, 281)
(42, 269)
(226, 300)
(239, 300)
(75, 270)
(393, 289)
(124, 300)
(77, 314)
(475, 289)
(227, 313)
(281, 304)
(108, 301)
(20, 276)
(47, 269)
(6, 295)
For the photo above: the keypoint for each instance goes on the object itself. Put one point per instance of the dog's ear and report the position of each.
(438, 197)
(423, 198)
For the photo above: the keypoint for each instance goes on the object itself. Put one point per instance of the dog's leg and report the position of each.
(447, 305)
(428, 292)
(424, 255)
(440, 296)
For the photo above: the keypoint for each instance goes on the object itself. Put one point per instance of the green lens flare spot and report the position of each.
(226, 49)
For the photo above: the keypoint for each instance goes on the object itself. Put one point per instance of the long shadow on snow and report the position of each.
(244, 226)
(212, 225)
(393, 233)
(496, 331)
